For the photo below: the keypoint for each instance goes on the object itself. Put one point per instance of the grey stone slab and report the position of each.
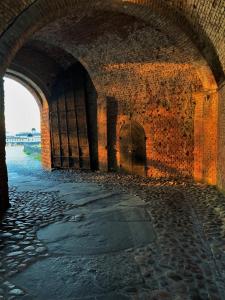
(113, 297)
(81, 201)
(99, 233)
(56, 278)
(79, 278)
(36, 185)
(127, 215)
(103, 201)
(17, 179)
(128, 200)
(73, 188)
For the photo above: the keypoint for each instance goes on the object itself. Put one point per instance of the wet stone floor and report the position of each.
(84, 235)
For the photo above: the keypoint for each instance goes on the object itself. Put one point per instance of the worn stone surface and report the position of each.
(179, 256)
(103, 232)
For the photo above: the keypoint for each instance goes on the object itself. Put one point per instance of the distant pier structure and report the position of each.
(22, 138)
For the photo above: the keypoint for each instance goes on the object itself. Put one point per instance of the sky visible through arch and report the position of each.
(21, 110)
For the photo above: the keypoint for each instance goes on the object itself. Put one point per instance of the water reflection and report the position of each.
(16, 158)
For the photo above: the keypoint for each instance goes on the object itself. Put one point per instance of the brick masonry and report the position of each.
(221, 138)
(159, 81)
(193, 16)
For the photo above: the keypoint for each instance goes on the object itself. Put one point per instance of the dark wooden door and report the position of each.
(68, 118)
(133, 149)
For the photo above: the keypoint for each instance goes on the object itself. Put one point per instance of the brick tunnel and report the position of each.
(131, 95)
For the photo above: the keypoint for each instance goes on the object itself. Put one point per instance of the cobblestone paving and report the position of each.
(186, 260)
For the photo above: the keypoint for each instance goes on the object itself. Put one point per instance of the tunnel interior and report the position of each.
(127, 71)
(160, 86)
(129, 202)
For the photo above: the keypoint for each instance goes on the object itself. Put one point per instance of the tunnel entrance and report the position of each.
(133, 149)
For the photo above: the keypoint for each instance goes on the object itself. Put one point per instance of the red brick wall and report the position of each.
(153, 78)
(45, 137)
(162, 103)
(192, 16)
(221, 143)
(206, 136)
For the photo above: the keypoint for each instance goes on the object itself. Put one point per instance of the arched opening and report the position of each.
(23, 127)
(40, 98)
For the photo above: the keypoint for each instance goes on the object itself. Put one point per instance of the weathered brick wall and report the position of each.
(3, 171)
(192, 15)
(221, 139)
(10, 9)
(45, 137)
(36, 66)
(161, 102)
(152, 76)
(206, 136)
(153, 79)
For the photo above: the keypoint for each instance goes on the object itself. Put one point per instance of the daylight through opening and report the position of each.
(23, 127)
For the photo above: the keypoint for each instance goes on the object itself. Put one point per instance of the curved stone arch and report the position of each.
(42, 102)
(21, 28)
(30, 85)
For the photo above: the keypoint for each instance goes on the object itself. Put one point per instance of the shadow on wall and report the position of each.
(91, 110)
(112, 115)
(163, 168)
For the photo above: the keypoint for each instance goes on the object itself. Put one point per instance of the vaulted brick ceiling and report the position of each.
(203, 17)
(134, 40)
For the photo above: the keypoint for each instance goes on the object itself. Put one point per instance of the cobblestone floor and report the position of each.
(186, 260)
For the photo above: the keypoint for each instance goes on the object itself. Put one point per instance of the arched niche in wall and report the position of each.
(133, 148)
